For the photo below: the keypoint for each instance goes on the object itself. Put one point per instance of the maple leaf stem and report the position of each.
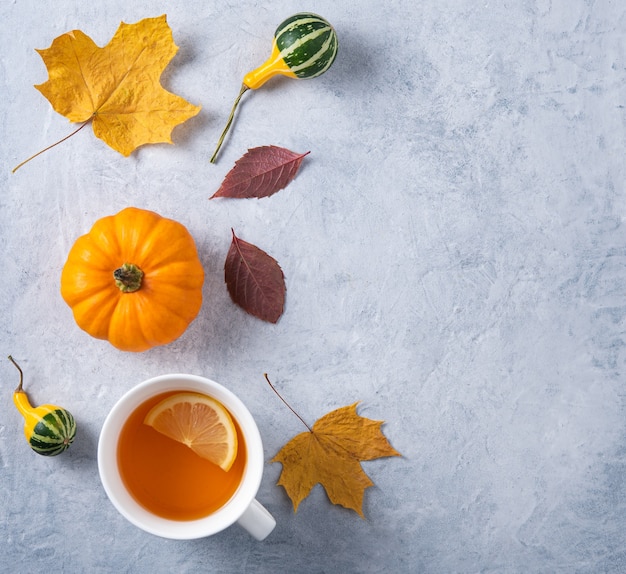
(51, 146)
(284, 401)
(244, 89)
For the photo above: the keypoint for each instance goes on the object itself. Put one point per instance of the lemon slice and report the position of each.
(200, 422)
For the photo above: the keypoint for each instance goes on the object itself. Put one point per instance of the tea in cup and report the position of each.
(165, 487)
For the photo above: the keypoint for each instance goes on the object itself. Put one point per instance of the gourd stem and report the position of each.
(244, 89)
(128, 278)
(19, 387)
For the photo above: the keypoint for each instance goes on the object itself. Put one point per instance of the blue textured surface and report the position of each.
(455, 255)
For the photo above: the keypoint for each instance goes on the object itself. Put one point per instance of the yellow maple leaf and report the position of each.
(330, 454)
(117, 87)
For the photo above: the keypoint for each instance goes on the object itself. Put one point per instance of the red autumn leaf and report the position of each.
(261, 172)
(255, 281)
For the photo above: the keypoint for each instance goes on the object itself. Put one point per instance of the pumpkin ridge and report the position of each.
(174, 277)
(103, 236)
(74, 291)
(127, 313)
(153, 236)
(88, 253)
(156, 303)
(175, 326)
(162, 252)
(132, 227)
(91, 314)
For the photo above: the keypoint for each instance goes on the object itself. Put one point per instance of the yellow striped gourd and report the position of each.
(49, 429)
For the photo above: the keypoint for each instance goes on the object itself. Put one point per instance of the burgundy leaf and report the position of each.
(261, 172)
(255, 281)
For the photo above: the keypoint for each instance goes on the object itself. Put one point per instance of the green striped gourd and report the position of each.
(49, 429)
(304, 46)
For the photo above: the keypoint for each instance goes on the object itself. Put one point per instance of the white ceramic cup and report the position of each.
(242, 508)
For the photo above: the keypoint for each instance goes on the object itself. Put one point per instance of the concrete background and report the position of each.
(455, 255)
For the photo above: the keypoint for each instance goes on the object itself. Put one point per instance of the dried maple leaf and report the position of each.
(254, 280)
(117, 87)
(330, 454)
(261, 172)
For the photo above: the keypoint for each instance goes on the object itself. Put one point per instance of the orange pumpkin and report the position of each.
(135, 280)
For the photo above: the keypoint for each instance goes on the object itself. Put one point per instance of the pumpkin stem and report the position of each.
(128, 277)
(19, 387)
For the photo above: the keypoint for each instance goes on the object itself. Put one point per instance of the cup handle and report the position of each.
(257, 520)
